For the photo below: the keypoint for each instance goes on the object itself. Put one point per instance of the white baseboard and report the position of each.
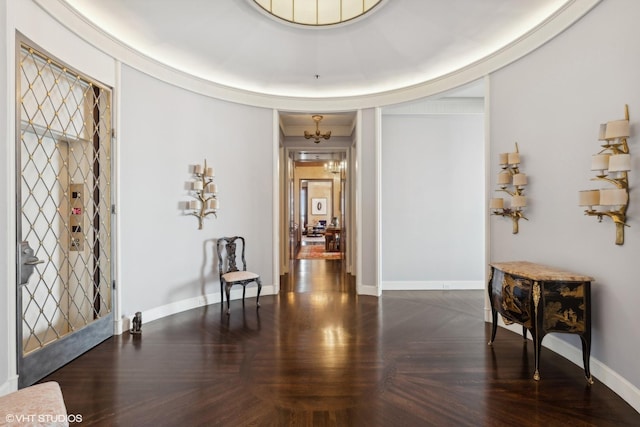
(118, 326)
(368, 290)
(9, 386)
(434, 285)
(188, 304)
(603, 373)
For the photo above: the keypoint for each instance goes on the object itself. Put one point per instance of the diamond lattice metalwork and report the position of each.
(65, 198)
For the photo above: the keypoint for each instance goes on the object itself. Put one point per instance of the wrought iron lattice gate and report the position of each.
(63, 188)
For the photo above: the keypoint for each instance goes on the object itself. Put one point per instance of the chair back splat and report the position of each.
(228, 269)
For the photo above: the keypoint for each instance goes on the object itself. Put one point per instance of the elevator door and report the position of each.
(64, 240)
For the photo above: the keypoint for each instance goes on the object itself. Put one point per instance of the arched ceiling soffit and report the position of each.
(399, 51)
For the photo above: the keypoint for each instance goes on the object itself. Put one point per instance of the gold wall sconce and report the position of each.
(205, 191)
(611, 165)
(512, 182)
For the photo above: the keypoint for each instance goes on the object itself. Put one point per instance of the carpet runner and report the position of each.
(316, 252)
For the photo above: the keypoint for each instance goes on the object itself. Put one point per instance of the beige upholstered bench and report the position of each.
(38, 405)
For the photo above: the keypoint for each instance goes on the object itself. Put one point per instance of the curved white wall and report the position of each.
(552, 103)
(25, 17)
(7, 321)
(165, 259)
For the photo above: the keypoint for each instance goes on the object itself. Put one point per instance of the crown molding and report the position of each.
(570, 13)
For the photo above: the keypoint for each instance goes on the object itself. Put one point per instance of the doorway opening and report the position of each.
(321, 213)
(317, 201)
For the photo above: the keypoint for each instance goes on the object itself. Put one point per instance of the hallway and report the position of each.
(317, 276)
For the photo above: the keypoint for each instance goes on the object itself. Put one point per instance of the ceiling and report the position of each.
(340, 124)
(343, 123)
(398, 44)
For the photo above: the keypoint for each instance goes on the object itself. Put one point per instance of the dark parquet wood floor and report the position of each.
(319, 355)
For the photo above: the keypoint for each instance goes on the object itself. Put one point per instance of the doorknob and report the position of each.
(27, 261)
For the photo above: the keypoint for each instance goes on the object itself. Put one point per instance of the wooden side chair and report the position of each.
(229, 273)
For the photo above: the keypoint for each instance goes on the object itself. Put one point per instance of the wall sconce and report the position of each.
(611, 165)
(512, 182)
(204, 190)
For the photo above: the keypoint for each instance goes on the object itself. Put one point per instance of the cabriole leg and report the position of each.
(494, 324)
(586, 352)
(259, 289)
(536, 356)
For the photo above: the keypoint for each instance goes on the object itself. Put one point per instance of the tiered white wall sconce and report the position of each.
(205, 191)
(512, 182)
(611, 164)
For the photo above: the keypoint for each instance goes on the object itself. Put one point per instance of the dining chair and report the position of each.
(230, 274)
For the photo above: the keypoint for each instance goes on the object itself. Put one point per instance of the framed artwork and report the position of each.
(319, 206)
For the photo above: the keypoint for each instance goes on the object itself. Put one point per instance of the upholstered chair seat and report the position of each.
(236, 276)
(230, 273)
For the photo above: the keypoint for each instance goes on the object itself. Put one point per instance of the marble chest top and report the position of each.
(539, 272)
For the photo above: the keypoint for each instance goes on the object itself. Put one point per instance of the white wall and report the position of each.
(552, 103)
(7, 319)
(32, 22)
(432, 201)
(166, 260)
(167, 263)
(366, 209)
